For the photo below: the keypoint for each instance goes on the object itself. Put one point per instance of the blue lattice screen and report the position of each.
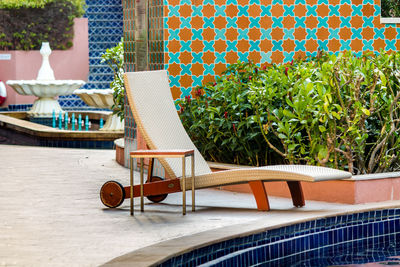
(105, 31)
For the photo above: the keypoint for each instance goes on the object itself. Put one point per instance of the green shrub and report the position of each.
(114, 57)
(13, 4)
(337, 111)
(220, 120)
(26, 24)
(390, 8)
(9, 4)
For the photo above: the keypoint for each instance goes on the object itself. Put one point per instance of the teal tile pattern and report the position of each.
(203, 36)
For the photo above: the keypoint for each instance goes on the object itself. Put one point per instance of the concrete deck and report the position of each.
(51, 214)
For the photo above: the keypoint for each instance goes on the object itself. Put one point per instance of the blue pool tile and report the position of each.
(350, 232)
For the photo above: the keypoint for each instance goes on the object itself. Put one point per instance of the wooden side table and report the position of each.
(173, 153)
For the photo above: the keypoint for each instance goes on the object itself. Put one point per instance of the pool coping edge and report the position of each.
(158, 253)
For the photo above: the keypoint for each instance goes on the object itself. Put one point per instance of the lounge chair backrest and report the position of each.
(154, 111)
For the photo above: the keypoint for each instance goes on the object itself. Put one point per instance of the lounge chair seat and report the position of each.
(156, 117)
(303, 173)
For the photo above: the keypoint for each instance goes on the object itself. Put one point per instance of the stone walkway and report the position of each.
(51, 214)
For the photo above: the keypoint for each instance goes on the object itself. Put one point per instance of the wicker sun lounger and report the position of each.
(156, 117)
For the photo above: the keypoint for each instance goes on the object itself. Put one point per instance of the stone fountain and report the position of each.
(102, 98)
(45, 87)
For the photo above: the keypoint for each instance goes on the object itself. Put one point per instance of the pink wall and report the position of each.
(72, 64)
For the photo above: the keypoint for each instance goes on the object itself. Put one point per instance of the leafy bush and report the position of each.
(22, 3)
(13, 4)
(337, 111)
(390, 8)
(114, 57)
(26, 24)
(221, 122)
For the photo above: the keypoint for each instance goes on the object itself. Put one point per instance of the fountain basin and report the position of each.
(96, 97)
(15, 129)
(46, 91)
(45, 87)
(102, 99)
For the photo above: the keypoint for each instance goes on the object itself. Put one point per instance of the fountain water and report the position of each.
(70, 122)
(45, 87)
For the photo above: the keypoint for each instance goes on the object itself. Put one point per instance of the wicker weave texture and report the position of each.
(154, 111)
(268, 173)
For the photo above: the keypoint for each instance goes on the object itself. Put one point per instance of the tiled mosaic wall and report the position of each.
(129, 34)
(203, 36)
(156, 38)
(130, 140)
(155, 57)
(105, 31)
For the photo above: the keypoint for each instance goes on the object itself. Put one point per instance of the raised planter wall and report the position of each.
(360, 189)
(70, 64)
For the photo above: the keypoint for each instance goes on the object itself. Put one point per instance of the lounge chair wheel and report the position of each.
(112, 194)
(156, 198)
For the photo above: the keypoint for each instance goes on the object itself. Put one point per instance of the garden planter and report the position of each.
(119, 151)
(359, 189)
(120, 148)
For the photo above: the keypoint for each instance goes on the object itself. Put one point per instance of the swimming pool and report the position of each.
(343, 239)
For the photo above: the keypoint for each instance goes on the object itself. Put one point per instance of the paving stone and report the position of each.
(51, 214)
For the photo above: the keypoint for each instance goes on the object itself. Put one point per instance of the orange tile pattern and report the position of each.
(201, 37)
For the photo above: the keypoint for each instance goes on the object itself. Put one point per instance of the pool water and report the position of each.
(383, 249)
(10, 137)
(361, 238)
(360, 253)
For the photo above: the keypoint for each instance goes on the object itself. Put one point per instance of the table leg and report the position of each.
(141, 186)
(193, 181)
(131, 169)
(183, 186)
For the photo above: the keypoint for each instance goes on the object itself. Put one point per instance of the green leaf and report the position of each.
(366, 111)
(336, 115)
(282, 136)
(382, 77)
(288, 113)
(326, 104)
(224, 142)
(292, 147)
(322, 153)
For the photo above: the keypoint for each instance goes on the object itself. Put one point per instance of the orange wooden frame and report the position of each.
(173, 186)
